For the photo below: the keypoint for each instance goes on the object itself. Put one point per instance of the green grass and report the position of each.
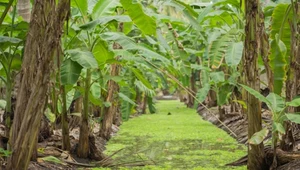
(181, 140)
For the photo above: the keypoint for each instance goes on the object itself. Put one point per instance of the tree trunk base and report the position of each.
(45, 130)
(94, 152)
(83, 146)
(284, 159)
(293, 165)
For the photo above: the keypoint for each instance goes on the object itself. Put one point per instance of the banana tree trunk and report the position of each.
(112, 114)
(211, 99)
(75, 120)
(41, 43)
(118, 116)
(23, 7)
(144, 104)
(298, 68)
(138, 98)
(193, 90)
(251, 73)
(83, 145)
(181, 94)
(66, 145)
(117, 119)
(112, 97)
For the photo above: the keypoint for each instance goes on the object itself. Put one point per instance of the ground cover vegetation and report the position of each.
(170, 145)
(73, 70)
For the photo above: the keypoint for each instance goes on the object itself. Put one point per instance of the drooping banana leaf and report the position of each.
(70, 72)
(234, 54)
(280, 25)
(225, 46)
(82, 5)
(104, 20)
(202, 92)
(257, 95)
(91, 5)
(188, 12)
(144, 22)
(101, 52)
(141, 86)
(128, 44)
(84, 58)
(278, 63)
(151, 104)
(277, 102)
(234, 3)
(224, 93)
(126, 106)
(104, 8)
(141, 77)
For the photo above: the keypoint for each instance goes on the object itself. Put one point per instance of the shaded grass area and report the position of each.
(181, 140)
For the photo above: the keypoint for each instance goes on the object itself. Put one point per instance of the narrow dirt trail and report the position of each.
(179, 140)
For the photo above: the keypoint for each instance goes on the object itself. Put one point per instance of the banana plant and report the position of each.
(222, 33)
(278, 107)
(83, 55)
(90, 39)
(136, 64)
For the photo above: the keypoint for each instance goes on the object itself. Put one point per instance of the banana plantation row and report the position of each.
(72, 63)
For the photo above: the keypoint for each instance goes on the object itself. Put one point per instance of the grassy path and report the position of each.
(181, 140)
